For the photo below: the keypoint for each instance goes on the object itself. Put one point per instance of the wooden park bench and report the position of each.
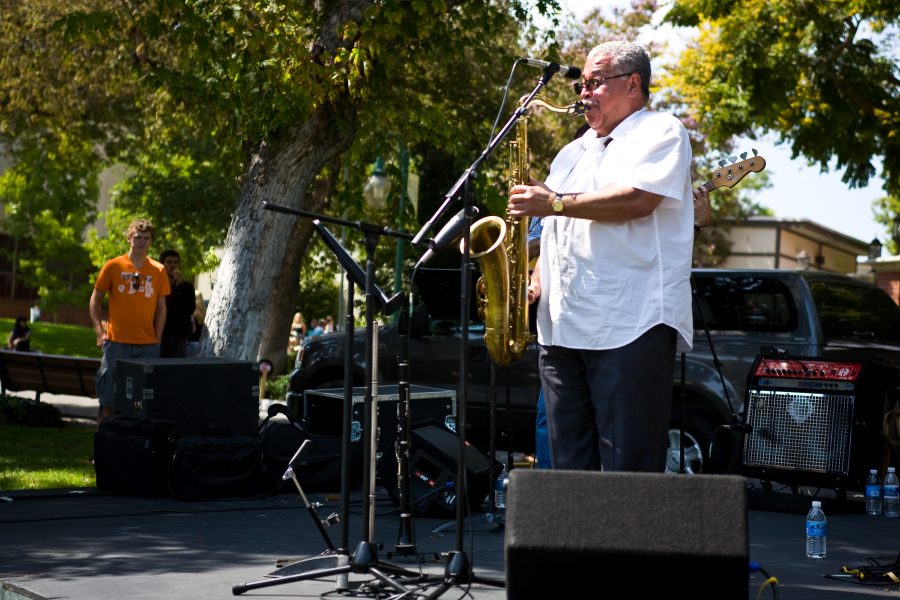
(50, 373)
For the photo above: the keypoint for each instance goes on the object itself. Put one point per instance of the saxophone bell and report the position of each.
(500, 246)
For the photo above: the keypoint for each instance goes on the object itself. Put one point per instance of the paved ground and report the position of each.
(85, 544)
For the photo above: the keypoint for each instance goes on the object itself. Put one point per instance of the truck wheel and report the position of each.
(696, 449)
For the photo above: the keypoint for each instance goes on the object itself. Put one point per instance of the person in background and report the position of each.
(137, 287)
(329, 324)
(614, 271)
(314, 328)
(197, 321)
(180, 306)
(20, 337)
(298, 332)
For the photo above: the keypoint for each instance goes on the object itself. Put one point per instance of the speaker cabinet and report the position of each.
(432, 466)
(202, 395)
(572, 531)
(813, 421)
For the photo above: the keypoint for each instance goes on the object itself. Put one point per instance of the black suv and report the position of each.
(738, 314)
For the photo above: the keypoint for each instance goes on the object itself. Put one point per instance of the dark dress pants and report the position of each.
(610, 409)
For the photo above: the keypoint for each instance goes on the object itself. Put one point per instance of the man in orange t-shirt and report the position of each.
(137, 286)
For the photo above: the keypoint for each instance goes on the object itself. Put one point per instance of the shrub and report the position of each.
(22, 411)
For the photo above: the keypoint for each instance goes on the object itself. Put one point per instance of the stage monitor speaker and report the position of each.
(432, 466)
(585, 533)
(203, 395)
(813, 421)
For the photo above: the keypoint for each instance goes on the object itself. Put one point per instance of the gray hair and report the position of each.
(626, 57)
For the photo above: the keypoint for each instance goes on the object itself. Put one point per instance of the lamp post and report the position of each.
(875, 249)
(398, 261)
(376, 192)
(377, 187)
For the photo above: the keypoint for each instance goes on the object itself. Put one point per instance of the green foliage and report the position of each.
(34, 458)
(319, 291)
(49, 195)
(887, 212)
(277, 387)
(819, 74)
(28, 413)
(187, 193)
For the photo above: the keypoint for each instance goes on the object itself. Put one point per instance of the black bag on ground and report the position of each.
(131, 455)
(319, 470)
(207, 467)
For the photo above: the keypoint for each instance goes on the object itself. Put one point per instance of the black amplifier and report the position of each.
(813, 421)
(203, 395)
(323, 410)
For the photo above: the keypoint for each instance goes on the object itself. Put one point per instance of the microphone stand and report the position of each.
(406, 536)
(459, 569)
(365, 558)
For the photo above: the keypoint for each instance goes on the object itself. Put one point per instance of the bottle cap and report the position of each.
(891, 469)
(873, 471)
(817, 503)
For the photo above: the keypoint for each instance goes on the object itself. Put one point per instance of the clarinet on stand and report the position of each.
(406, 537)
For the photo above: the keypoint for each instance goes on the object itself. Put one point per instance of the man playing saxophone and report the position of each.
(614, 271)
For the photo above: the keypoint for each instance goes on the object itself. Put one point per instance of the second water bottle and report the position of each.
(873, 493)
(891, 494)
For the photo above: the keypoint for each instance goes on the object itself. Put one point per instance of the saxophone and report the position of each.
(501, 249)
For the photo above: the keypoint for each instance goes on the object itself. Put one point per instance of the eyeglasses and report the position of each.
(135, 281)
(592, 84)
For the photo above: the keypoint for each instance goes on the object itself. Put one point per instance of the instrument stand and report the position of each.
(735, 425)
(406, 536)
(364, 559)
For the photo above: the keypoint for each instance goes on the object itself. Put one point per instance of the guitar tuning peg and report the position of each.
(721, 163)
(733, 159)
(743, 156)
(755, 153)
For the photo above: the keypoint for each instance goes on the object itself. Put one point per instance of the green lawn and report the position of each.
(35, 458)
(44, 457)
(50, 338)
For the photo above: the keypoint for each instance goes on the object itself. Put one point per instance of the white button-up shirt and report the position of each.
(605, 284)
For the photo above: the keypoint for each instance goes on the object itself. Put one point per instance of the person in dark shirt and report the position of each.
(20, 338)
(180, 305)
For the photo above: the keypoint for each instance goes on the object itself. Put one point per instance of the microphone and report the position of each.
(567, 72)
(447, 235)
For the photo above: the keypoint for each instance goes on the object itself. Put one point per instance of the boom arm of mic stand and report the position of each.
(461, 182)
(354, 271)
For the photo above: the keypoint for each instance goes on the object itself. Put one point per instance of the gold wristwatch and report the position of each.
(557, 205)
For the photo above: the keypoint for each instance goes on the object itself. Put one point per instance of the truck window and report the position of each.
(735, 303)
(856, 312)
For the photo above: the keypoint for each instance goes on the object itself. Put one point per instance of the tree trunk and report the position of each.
(257, 248)
(284, 297)
(283, 301)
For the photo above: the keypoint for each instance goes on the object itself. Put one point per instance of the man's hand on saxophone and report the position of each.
(534, 200)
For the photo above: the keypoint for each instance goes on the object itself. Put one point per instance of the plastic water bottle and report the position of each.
(890, 494)
(500, 490)
(873, 493)
(816, 531)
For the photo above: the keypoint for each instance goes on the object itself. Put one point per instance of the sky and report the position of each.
(799, 191)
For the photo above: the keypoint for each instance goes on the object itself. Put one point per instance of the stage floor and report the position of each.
(89, 545)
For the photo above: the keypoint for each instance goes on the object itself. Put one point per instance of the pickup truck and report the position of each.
(739, 315)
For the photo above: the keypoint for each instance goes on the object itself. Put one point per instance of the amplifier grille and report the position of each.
(799, 431)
